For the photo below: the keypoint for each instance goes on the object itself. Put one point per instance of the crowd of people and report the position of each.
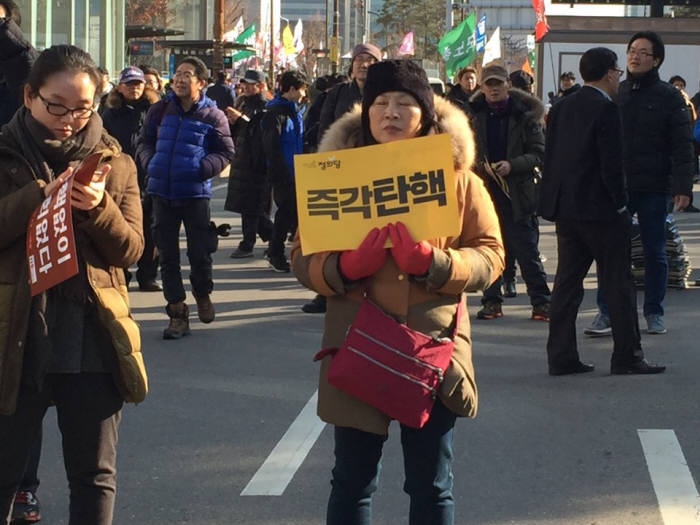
(594, 156)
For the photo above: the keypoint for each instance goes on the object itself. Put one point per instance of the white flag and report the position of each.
(298, 42)
(492, 50)
(230, 36)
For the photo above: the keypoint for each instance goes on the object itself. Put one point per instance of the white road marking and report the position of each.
(279, 468)
(219, 187)
(675, 489)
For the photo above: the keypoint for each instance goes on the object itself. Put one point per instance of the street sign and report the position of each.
(141, 47)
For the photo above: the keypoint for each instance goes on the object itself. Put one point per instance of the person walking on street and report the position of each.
(123, 116)
(282, 138)
(248, 191)
(344, 96)
(510, 147)
(658, 163)
(584, 193)
(72, 345)
(185, 142)
(422, 283)
(467, 84)
(221, 92)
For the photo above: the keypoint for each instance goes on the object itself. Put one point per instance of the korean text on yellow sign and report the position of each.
(341, 195)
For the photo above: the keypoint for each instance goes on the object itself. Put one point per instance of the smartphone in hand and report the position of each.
(86, 169)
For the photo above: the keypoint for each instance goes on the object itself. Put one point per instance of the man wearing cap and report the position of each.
(123, 116)
(510, 148)
(344, 96)
(658, 163)
(248, 189)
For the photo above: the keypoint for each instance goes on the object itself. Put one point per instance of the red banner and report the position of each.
(51, 254)
(541, 26)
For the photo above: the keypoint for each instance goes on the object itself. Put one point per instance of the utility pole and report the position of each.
(335, 52)
(272, 45)
(217, 64)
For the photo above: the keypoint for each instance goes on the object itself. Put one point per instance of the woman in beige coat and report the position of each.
(419, 283)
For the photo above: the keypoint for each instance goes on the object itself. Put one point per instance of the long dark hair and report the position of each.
(61, 58)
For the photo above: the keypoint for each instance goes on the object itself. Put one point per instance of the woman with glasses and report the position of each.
(59, 346)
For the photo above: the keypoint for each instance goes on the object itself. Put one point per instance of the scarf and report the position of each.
(48, 156)
(499, 107)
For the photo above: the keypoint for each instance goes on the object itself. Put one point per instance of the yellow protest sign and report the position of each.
(343, 194)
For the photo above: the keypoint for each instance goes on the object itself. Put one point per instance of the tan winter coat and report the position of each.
(469, 262)
(115, 229)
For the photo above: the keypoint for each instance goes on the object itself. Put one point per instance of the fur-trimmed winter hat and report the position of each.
(398, 75)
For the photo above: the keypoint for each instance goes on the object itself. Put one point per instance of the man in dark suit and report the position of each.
(584, 193)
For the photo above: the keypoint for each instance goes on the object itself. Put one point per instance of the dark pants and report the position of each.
(520, 239)
(88, 408)
(578, 244)
(509, 269)
(252, 226)
(147, 266)
(651, 210)
(30, 479)
(427, 456)
(168, 219)
(285, 216)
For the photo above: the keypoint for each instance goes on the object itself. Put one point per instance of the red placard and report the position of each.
(51, 254)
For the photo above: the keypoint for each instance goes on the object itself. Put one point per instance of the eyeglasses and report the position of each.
(59, 110)
(641, 53)
(618, 71)
(185, 75)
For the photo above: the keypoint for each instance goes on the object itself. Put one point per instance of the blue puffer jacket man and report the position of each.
(185, 141)
(183, 150)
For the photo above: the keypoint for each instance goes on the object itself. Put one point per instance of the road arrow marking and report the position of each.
(678, 498)
(279, 468)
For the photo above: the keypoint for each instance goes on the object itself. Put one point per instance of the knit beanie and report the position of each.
(398, 75)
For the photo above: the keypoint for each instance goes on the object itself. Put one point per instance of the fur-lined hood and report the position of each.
(523, 102)
(346, 132)
(115, 100)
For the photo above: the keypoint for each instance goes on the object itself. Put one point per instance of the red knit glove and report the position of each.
(367, 258)
(410, 256)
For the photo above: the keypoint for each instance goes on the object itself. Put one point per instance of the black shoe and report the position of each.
(577, 368)
(150, 286)
(509, 289)
(640, 367)
(238, 253)
(279, 263)
(316, 306)
(691, 209)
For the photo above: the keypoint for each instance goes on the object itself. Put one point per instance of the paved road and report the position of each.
(542, 450)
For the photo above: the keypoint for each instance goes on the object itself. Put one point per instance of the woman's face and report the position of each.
(394, 115)
(69, 92)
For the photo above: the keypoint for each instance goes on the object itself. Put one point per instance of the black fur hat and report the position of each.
(398, 75)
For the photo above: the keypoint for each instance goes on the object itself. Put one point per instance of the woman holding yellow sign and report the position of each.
(396, 345)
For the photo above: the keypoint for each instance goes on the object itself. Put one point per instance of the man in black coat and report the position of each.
(248, 190)
(221, 92)
(123, 115)
(343, 97)
(658, 163)
(16, 59)
(584, 193)
(507, 126)
(466, 86)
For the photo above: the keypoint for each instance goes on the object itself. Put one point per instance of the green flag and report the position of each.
(247, 34)
(458, 45)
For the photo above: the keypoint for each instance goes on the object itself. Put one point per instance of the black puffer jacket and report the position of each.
(340, 99)
(248, 191)
(658, 152)
(460, 98)
(16, 59)
(525, 148)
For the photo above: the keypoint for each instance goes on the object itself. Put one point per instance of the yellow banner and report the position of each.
(341, 195)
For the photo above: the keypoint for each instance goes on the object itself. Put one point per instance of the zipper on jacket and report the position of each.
(429, 388)
(415, 360)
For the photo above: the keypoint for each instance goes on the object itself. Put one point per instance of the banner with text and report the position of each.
(341, 195)
(51, 254)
